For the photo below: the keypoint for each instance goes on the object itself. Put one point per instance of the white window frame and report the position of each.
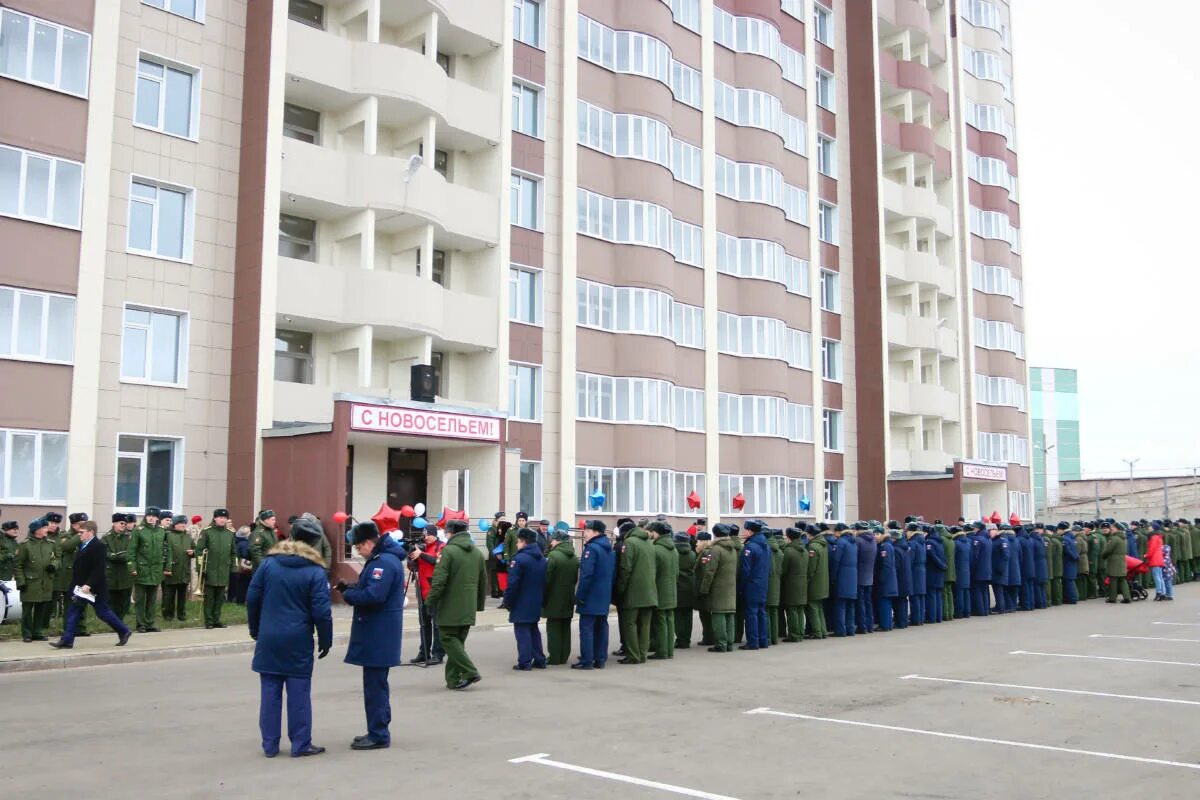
(519, 7)
(835, 500)
(60, 34)
(525, 179)
(514, 383)
(193, 134)
(189, 219)
(534, 511)
(181, 352)
(42, 355)
(829, 277)
(177, 482)
(6, 467)
(538, 276)
(822, 24)
(827, 222)
(827, 156)
(51, 188)
(826, 87)
(833, 428)
(166, 6)
(831, 360)
(520, 88)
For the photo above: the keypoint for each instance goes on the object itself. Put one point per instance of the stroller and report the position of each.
(1135, 570)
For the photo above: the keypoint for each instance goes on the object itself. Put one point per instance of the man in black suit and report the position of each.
(89, 575)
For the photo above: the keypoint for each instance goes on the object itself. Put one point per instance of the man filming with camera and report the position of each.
(422, 559)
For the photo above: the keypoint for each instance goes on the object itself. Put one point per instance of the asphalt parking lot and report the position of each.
(1049, 703)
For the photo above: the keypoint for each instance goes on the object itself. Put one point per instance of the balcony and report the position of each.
(910, 137)
(923, 268)
(913, 76)
(912, 16)
(916, 201)
(922, 333)
(333, 71)
(396, 305)
(334, 183)
(904, 460)
(922, 400)
(468, 16)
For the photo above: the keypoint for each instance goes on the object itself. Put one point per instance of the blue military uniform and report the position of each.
(981, 572)
(1013, 586)
(935, 578)
(962, 574)
(845, 582)
(886, 585)
(903, 579)
(1041, 571)
(1070, 568)
(523, 596)
(865, 543)
(593, 595)
(753, 574)
(1028, 543)
(916, 543)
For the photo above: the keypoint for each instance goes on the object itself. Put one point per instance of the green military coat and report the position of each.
(775, 570)
(562, 573)
(262, 539)
(685, 587)
(1085, 563)
(459, 584)
(666, 573)
(719, 565)
(636, 573)
(33, 556)
(147, 554)
(68, 545)
(1114, 555)
(1194, 539)
(818, 569)
(219, 547)
(1095, 549)
(117, 571)
(948, 551)
(8, 557)
(1055, 548)
(510, 544)
(701, 600)
(178, 562)
(793, 577)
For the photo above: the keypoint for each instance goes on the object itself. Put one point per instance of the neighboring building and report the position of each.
(770, 253)
(1144, 497)
(1054, 405)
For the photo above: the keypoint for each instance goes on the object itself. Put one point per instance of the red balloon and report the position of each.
(581, 524)
(739, 502)
(340, 517)
(693, 500)
(387, 519)
(407, 511)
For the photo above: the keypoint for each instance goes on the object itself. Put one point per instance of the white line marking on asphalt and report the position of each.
(545, 760)
(963, 737)
(1181, 624)
(1139, 698)
(1141, 638)
(1104, 658)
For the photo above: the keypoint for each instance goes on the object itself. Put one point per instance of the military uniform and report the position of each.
(147, 558)
(1114, 566)
(218, 546)
(262, 539)
(773, 587)
(703, 606)
(638, 592)
(120, 582)
(1085, 563)
(818, 587)
(558, 603)
(35, 565)
(718, 584)
(793, 587)
(177, 572)
(1095, 557)
(1056, 568)
(8, 552)
(685, 592)
(457, 592)
(666, 581)
(951, 573)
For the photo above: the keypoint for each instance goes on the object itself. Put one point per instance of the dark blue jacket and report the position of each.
(1000, 561)
(755, 570)
(1029, 545)
(1131, 545)
(962, 561)
(287, 600)
(1014, 561)
(935, 564)
(845, 581)
(1041, 560)
(981, 557)
(378, 601)
(886, 584)
(526, 585)
(903, 566)
(1070, 557)
(596, 567)
(916, 545)
(865, 542)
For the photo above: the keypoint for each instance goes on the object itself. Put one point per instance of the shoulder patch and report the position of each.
(377, 574)
(587, 553)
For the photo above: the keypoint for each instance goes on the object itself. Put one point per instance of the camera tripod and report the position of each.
(426, 646)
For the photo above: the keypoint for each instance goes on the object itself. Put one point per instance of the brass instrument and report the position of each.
(201, 563)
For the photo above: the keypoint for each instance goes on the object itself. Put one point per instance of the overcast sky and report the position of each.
(1108, 122)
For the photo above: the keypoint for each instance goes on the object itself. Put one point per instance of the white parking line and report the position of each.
(545, 760)
(1104, 658)
(1181, 624)
(1140, 638)
(1139, 698)
(964, 738)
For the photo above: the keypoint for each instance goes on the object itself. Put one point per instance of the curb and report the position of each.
(99, 659)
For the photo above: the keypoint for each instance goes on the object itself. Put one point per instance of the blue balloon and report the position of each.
(485, 525)
(420, 523)
(805, 503)
(597, 499)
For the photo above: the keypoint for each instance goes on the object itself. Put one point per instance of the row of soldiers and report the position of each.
(146, 558)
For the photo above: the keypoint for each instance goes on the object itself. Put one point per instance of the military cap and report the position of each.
(704, 536)
(153, 511)
(78, 516)
(794, 533)
(306, 531)
(893, 525)
(53, 516)
(955, 529)
(721, 530)
(596, 525)
(681, 538)
(11, 525)
(755, 525)
(179, 519)
(266, 513)
(812, 529)
(911, 526)
(131, 517)
(1076, 527)
(909, 519)
(659, 527)
(841, 527)
(1062, 526)
(1122, 526)
(36, 525)
(823, 526)
(660, 517)
(220, 512)
(523, 515)
(119, 517)
(454, 526)
(364, 532)
(624, 520)
(861, 526)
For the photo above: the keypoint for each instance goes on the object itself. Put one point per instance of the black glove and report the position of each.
(51, 568)
(254, 635)
(341, 586)
(324, 651)
(21, 589)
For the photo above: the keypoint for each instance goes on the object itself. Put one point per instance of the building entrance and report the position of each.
(407, 479)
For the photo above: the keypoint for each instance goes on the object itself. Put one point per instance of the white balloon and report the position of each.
(419, 508)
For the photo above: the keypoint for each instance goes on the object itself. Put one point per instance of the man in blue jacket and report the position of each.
(378, 601)
(962, 572)
(981, 570)
(593, 595)
(523, 598)
(1028, 542)
(290, 594)
(755, 568)
(935, 576)
(919, 588)
(903, 574)
(1070, 565)
(844, 581)
(885, 586)
(1041, 567)
(865, 542)
(1013, 587)
(1000, 564)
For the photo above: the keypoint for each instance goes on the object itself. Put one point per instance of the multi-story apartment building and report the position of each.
(717, 258)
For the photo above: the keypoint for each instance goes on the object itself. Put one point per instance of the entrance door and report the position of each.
(406, 479)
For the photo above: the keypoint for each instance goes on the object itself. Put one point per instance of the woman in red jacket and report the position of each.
(1154, 560)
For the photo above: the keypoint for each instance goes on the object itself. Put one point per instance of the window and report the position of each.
(439, 267)
(823, 25)
(826, 91)
(835, 500)
(531, 488)
(831, 291)
(999, 391)
(300, 123)
(526, 202)
(36, 51)
(759, 258)
(160, 220)
(192, 9)
(149, 472)
(40, 188)
(293, 356)
(526, 109)
(638, 54)
(827, 156)
(643, 401)
(168, 97)
(755, 109)
(832, 430)
(991, 279)
(638, 490)
(620, 309)
(1003, 448)
(525, 392)
(995, 335)
(525, 295)
(1019, 503)
(763, 337)
(297, 237)
(635, 136)
(995, 225)
(527, 22)
(307, 12)
(831, 360)
(756, 415)
(154, 346)
(827, 222)
(33, 466)
(36, 326)
(686, 13)
(637, 222)
(765, 495)
(443, 61)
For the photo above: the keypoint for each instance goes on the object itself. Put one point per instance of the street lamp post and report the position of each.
(1130, 462)
(1045, 449)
